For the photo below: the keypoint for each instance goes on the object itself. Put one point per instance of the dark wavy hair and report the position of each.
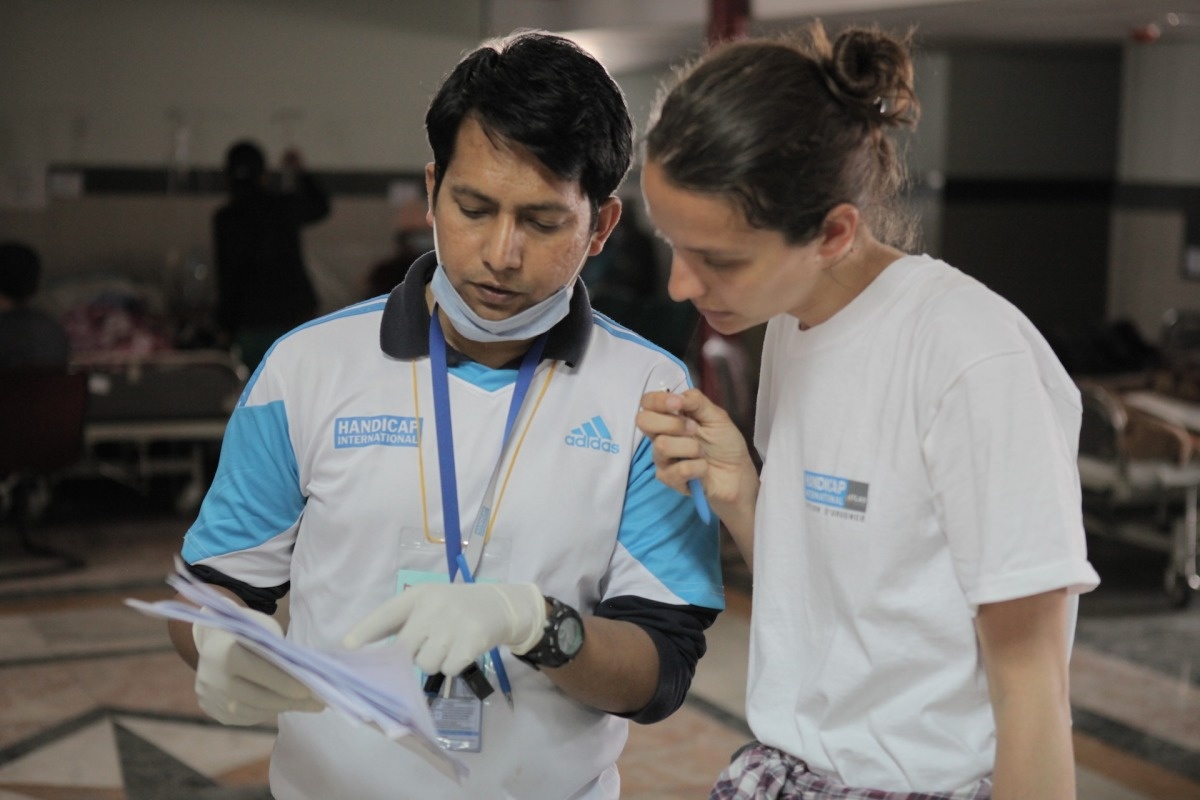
(788, 128)
(544, 93)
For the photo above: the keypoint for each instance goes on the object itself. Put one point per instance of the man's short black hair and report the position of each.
(20, 269)
(544, 93)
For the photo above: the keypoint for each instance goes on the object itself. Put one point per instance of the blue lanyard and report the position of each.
(445, 434)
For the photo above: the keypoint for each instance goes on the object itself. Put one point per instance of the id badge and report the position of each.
(456, 709)
(457, 712)
(458, 717)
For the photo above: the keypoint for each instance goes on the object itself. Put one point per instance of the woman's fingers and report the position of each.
(692, 437)
(655, 424)
(669, 449)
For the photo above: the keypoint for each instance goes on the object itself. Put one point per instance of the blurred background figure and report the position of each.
(263, 288)
(413, 237)
(627, 282)
(29, 337)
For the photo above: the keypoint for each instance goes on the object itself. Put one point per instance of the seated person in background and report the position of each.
(627, 269)
(413, 238)
(623, 282)
(29, 337)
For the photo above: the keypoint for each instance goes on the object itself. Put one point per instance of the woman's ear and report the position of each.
(839, 231)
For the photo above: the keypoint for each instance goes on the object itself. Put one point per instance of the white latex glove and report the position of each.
(237, 687)
(447, 626)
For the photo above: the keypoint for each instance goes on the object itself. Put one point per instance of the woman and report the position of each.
(915, 532)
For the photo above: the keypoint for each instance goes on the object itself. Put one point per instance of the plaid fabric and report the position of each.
(759, 772)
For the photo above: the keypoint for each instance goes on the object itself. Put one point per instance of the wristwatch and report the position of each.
(561, 639)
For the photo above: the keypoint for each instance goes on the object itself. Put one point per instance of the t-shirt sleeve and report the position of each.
(664, 551)
(248, 521)
(665, 577)
(1006, 483)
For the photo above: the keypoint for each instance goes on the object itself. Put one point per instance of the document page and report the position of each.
(376, 686)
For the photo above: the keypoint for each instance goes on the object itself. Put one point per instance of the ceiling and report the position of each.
(633, 35)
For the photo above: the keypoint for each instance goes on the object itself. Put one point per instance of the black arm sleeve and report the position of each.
(678, 635)
(264, 599)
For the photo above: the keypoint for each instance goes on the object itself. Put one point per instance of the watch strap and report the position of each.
(549, 650)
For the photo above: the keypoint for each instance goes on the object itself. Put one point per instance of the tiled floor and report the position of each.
(94, 703)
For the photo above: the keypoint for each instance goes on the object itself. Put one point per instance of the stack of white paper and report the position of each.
(377, 686)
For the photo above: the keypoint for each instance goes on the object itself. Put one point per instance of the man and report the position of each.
(29, 337)
(374, 439)
(263, 288)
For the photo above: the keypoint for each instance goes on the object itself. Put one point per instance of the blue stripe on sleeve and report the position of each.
(365, 307)
(660, 528)
(624, 333)
(255, 494)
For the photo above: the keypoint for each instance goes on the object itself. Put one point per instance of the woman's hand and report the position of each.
(693, 437)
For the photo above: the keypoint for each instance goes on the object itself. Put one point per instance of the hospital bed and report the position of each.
(158, 413)
(1141, 478)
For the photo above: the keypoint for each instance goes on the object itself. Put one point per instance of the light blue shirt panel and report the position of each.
(255, 495)
(486, 378)
(661, 529)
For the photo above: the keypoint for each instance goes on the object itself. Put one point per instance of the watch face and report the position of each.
(570, 636)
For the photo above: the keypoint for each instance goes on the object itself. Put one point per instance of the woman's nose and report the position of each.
(683, 283)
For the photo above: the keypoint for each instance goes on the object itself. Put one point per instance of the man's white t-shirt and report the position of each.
(329, 481)
(919, 460)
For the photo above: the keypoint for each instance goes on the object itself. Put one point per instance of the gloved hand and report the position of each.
(237, 687)
(447, 626)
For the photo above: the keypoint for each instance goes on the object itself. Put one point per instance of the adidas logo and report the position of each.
(593, 435)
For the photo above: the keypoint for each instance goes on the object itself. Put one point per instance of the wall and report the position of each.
(926, 147)
(1017, 161)
(150, 82)
(1157, 210)
(1030, 161)
(120, 93)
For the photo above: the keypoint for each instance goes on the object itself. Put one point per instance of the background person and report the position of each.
(334, 479)
(412, 238)
(263, 288)
(29, 337)
(915, 533)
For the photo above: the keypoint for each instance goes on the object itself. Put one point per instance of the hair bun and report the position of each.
(871, 73)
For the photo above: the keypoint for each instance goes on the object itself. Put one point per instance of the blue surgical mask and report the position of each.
(530, 323)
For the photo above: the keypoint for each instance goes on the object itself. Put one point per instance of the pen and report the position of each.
(699, 500)
(695, 488)
(497, 664)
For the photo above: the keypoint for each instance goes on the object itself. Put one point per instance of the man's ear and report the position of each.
(429, 184)
(607, 218)
(838, 231)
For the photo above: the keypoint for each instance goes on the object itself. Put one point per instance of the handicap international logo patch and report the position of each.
(831, 491)
(384, 430)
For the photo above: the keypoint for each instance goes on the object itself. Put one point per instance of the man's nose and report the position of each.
(503, 247)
